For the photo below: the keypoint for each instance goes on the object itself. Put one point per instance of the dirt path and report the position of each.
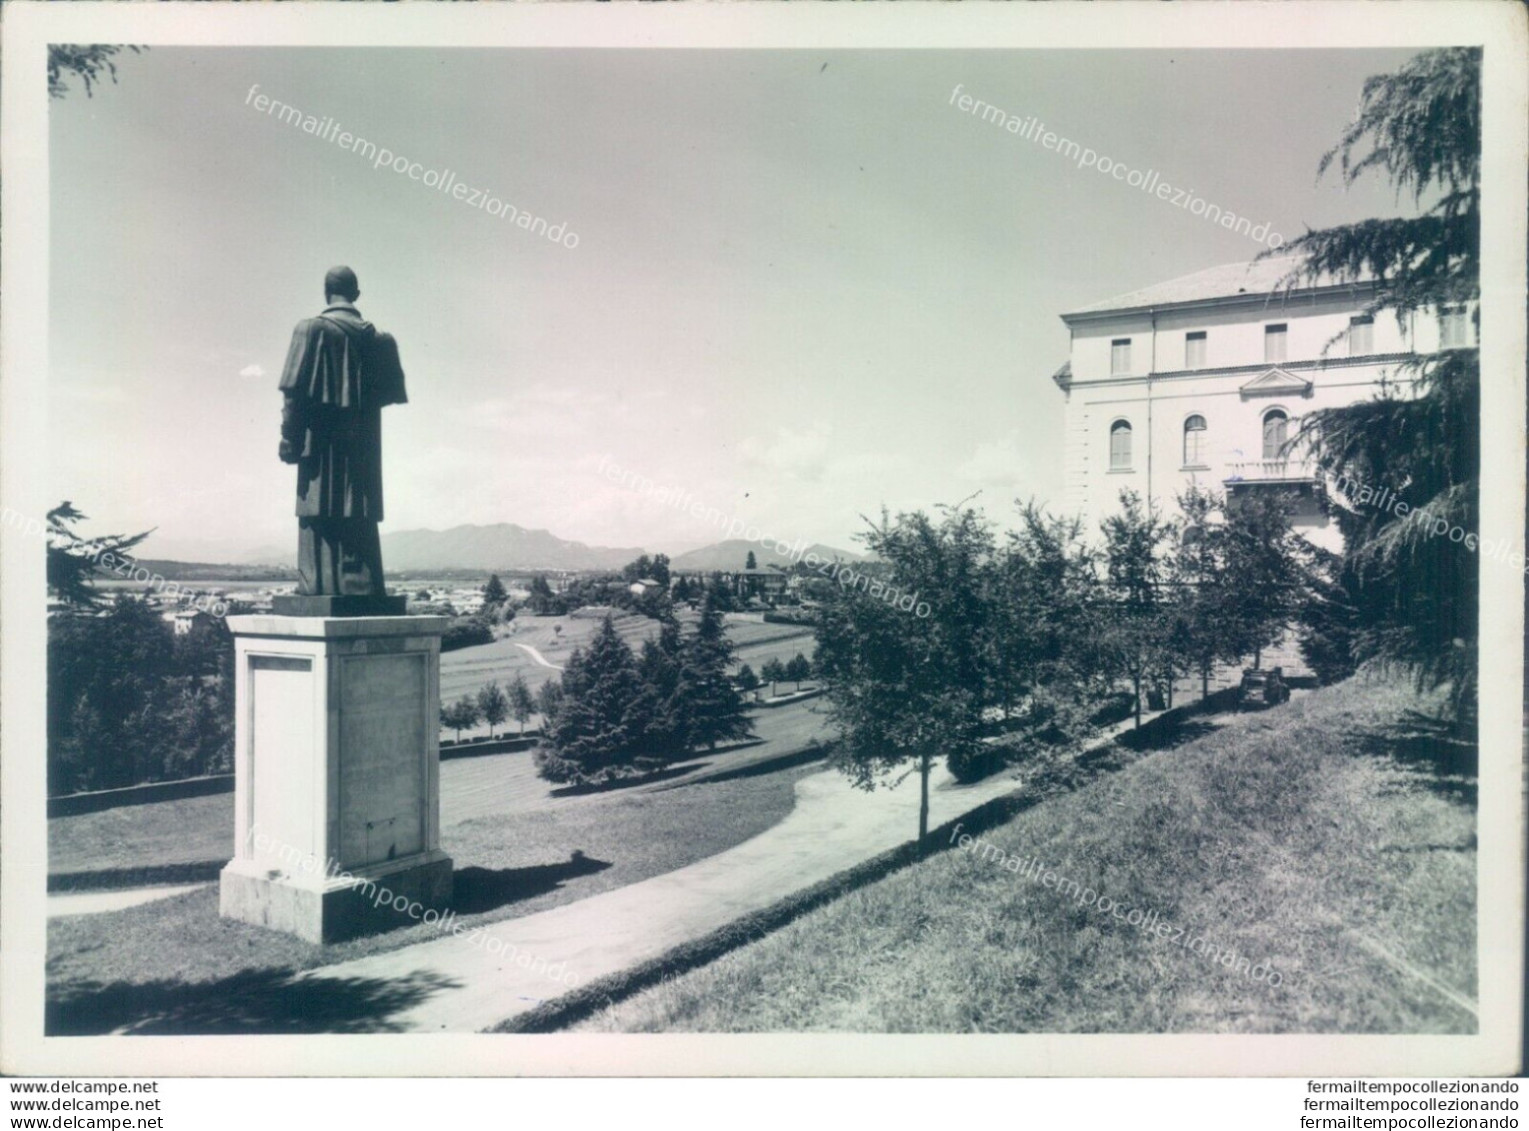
(538, 657)
(93, 902)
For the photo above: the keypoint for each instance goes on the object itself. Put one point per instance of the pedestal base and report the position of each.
(337, 775)
(327, 909)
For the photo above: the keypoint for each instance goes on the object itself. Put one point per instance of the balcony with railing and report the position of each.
(1258, 471)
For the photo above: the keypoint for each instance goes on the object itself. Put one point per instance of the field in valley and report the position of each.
(530, 640)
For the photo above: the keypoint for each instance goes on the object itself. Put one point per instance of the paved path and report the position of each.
(833, 827)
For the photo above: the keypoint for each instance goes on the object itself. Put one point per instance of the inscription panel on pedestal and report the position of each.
(282, 752)
(382, 712)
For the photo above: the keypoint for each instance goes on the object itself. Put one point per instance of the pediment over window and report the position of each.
(1276, 382)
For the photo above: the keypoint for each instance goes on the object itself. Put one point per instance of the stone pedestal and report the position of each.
(337, 763)
(330, 605)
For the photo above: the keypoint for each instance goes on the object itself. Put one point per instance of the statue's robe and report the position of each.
(339, 375)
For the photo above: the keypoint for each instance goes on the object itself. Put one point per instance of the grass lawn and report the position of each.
(190, 839)
(1331, 839)
(176, 966)
(178, 841)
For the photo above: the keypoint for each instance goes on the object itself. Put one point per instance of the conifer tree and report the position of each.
(73, 561)
(717, 713)
(1416, 594)
(549, 697)
(664, 705)
(494, 592)
(597, 732)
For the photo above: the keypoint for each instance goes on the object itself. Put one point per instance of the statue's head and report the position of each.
(341, 282)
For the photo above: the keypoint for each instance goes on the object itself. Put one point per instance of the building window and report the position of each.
(1120, 356)
(1274, 341)
(1454, 329)
(1276, 431)
(1120, 446)
(1361, 336)
(1194, 350)
(1194, 441)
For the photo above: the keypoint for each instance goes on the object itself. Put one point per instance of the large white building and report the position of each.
(1201, 379)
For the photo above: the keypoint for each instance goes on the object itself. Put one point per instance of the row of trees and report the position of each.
(1217, 586)
(1028, 635)
(492, 705)
(616, 714)
(795, 670)
(1033, 631)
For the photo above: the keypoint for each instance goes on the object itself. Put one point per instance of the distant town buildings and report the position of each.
(184, 620)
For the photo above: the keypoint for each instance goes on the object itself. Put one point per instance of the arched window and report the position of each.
(1194, 441)
(1276, 431)
(1120, 446)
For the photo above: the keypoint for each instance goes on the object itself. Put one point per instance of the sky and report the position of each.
(806, 285)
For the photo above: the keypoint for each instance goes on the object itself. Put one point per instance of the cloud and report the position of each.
(545, 411)
(804, 454)
(252, 370)
(998, 463)
(92, 394)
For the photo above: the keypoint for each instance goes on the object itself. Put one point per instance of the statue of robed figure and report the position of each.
(340, 373)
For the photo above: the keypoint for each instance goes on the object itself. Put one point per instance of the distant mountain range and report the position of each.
(734, 554)
(505, 546)
(500, 546)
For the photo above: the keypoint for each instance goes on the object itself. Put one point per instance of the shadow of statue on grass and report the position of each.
(252, 1001)
(475, 890)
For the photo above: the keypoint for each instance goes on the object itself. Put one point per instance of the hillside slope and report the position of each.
(1330, 841)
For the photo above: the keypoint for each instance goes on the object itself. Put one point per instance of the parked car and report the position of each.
(1262, 688)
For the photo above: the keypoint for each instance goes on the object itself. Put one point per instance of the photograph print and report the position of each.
(847, 540)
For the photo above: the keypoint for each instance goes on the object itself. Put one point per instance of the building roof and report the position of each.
(1226, 281)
